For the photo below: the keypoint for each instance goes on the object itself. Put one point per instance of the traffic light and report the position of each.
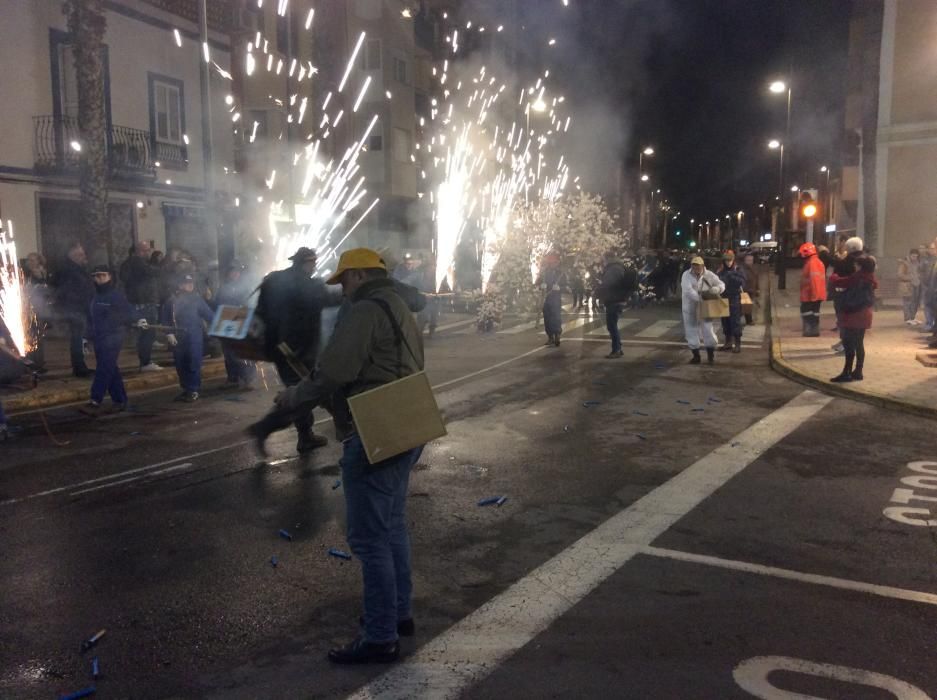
(808, 204)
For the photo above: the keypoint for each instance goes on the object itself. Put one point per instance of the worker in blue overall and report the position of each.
(236, 291)
(109, 316)
(184, 311)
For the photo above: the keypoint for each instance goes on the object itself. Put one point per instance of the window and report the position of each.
(167, 121)
(401, 71)
(401, 145)
(167, 110)
(369, 58)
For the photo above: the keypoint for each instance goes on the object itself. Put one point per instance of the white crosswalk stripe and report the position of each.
(623, 323)
(753, 334)
(657, 329)
(574, 324)
(520, 328)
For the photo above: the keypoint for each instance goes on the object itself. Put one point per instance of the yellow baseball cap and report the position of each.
(357, 259)
(697, 261)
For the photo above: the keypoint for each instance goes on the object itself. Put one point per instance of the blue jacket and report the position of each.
(734, 279)
(109, 315)
(186, 311)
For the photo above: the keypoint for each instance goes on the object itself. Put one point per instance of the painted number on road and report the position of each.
(752, 677)
(916, 503)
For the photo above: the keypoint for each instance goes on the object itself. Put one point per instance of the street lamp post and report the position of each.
(776, 145)
(779, 87)
(642, 177)
(829, 195)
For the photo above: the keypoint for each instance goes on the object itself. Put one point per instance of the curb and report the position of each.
(786, 369)
(33, 400)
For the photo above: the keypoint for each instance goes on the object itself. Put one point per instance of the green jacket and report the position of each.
(362, 354)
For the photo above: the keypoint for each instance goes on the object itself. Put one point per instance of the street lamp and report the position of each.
(776, 145)
(645, 178)
(829, 195)
(779, 87)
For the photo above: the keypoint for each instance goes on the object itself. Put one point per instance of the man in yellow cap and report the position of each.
(376, 342)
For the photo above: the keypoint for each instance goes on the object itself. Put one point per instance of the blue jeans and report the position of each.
(376, 501)
(553, 314)
(187, 356)
(612, 314)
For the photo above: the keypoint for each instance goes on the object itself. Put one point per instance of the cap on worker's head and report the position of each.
(807, 249)
(304, 254)
(728, 255)
(183, 279)
(101, 270)
(357, 259)
(237, 265)
(698, 261)
(854, 245)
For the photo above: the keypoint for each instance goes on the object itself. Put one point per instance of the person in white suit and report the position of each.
(698, 283)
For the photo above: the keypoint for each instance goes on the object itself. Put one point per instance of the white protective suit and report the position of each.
(697, 328)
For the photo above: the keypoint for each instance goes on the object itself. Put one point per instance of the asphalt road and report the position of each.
(671, 531)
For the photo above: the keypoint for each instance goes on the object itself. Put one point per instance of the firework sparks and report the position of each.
(13, 309)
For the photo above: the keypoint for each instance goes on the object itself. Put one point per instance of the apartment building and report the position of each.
(156, 166)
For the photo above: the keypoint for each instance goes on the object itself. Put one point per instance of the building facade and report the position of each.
(905, 152)
(155, 156)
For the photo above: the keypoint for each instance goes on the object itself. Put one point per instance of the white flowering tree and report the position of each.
(578, 227)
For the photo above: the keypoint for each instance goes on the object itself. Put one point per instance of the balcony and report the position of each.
(129, 151)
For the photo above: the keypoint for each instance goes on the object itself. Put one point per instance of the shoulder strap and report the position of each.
(399, 337)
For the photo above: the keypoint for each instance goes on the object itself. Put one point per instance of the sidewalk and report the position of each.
(893, 376)
(57, 386)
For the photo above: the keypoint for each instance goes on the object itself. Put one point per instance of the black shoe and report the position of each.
(260, 438)
(710, 355)
(82, 373)
(556, 340)
(727, 346)
(309, 441)
(857, 375)
(362, 652)
(614, 354)
(737, 347)
(842, 378)
(405, 628)
(695, 360)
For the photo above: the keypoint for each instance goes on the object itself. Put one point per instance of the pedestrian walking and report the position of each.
(909, 285)
(184, 312)
(929, 287)
(109, 316)
(290, 305)
(141, 282)
(697, 284)
(551, 283)
(40, 304)
(855, 285)
(376, 343)
(617, 285)
(577, 285)
(235, 291)
(734, 281)
(5, 433)
(751, 284)
(812, 290)
(74, 291)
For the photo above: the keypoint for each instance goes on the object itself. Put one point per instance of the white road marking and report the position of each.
(473, 647)
(109, 484)
(138, 470)
(521, 327)
(754, 333)
(752, 677)
(791, 575)
(626, 341)
(623, 323)
(657, 329)
(457, 324)
(574, 324)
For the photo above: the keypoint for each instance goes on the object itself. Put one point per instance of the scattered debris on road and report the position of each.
(92, 641)
(286, 535)
(339, 554)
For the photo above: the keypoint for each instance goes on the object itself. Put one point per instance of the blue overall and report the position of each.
(185, 311)
(734, 280)
(108, 318)
(236, 294)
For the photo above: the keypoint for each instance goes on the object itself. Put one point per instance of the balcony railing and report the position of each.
(129, 151)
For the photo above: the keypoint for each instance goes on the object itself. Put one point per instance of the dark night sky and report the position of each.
(690, 77)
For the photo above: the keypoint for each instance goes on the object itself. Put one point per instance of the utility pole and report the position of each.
(208, 164)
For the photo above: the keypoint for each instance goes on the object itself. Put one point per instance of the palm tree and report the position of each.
(87, 25)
